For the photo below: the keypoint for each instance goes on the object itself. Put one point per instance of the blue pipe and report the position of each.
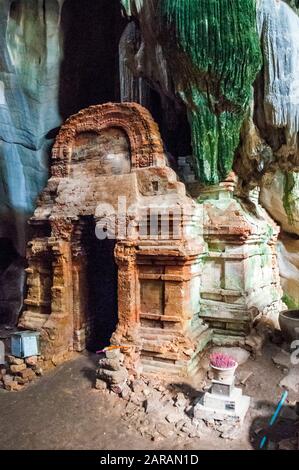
(275, 416)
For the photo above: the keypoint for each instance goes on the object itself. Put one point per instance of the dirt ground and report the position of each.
(62, 410)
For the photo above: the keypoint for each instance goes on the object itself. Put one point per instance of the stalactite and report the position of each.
(277, 113)
(133, 6)
(279, 30)
(132, 88)
(216, 44)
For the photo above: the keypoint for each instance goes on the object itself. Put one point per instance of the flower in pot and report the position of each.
(223, 366)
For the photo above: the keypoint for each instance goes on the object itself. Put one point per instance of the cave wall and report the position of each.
(213, 81)
(245, 79)
(30, 51)
(278, 122)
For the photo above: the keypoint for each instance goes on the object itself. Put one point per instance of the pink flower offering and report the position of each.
(222, 361)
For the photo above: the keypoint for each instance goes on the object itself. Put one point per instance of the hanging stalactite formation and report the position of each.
(217, 46)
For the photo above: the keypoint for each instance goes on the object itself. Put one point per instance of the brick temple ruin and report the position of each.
(183, 271)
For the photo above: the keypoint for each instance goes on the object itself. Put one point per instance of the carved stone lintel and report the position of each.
(145, 141)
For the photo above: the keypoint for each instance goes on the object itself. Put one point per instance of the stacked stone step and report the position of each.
(161, 352)
(112, 372)
(17, 372)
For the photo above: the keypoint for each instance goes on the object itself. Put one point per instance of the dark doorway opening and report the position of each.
(101, 278)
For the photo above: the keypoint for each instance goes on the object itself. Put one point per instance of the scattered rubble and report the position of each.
(159, 410)
(156, 409)
(17, 372)
(229, 430)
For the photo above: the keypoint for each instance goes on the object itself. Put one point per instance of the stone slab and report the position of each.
(222, 402)
(205, 412)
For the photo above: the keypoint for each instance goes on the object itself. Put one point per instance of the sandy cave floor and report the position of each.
(62, 410)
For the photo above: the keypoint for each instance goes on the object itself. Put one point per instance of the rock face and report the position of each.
(280, 196)
(284, 208)
(282, 202)
(278, 120)
(294, 4)
(269, 150)
(31, 52)
(288, 258)
(279, 29)
(213, 80)
(29, 83)
(269, 135)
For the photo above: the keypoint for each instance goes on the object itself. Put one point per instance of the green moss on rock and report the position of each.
(289, 202)
(214, 54)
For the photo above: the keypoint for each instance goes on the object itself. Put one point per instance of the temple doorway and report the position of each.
(101, 286)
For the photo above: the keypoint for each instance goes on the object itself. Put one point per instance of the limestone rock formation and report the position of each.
(294, 4)
(30, 55)
(213, 80)
(278, 124)
(269, 138)
(288, 257)
(277, 114)
(282, 202)
(29, 85)
(280, 196)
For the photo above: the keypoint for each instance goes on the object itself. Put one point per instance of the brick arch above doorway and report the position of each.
(146, 146)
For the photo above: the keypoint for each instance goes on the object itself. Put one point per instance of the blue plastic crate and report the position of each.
(25, 344)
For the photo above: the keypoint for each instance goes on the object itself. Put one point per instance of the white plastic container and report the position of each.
(224, 375)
